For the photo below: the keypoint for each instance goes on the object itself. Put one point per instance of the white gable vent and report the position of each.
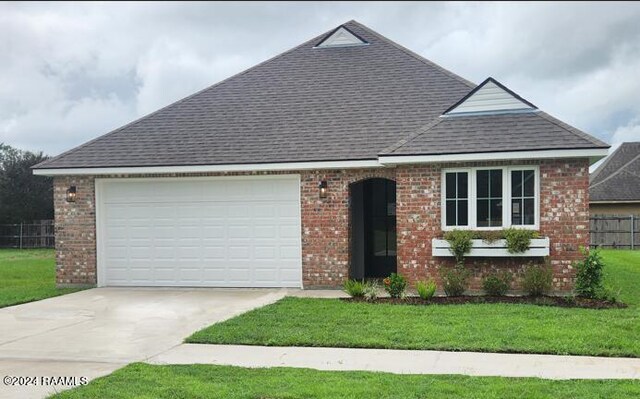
(341, 37)
(490, 97)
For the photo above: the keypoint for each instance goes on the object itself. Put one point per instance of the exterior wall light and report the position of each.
(71, 194)
(322, 186)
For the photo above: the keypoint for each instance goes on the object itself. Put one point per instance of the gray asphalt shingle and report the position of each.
(618, 178)
(495, 133)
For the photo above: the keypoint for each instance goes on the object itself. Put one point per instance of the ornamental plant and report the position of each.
(371, 290)
(460, 243)
(354, 288)
(454, 280)
(395, 285)
(497, 284)
(518, 240)
(537, 279)
(590, 275)
(426, 289)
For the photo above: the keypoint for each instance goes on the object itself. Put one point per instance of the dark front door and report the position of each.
(379, 197)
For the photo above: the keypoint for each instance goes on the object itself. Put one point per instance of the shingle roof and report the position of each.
(618, 177)
(494, 133)
(316, 104)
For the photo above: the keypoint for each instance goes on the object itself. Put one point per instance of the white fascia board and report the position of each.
(594, 154)
(209, 168)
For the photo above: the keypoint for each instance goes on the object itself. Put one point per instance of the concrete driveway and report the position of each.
(93, 332)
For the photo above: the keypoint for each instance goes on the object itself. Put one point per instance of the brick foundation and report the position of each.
(564, 218)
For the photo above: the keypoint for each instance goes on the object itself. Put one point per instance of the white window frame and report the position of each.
(443, 212)
(506, 197)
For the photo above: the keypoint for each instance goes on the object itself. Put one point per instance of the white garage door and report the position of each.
(199, 232)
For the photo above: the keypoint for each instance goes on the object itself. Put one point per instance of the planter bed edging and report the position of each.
(555, 301)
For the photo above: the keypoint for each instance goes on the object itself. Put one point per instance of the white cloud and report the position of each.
(630, 132)
(71, 72)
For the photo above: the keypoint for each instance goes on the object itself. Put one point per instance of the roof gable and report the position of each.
(340, 37)
(490, 96)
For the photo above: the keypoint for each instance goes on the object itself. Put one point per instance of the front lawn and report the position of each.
(471, 327)
(205, 381)
(28, 275)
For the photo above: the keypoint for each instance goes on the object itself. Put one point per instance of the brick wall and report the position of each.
(75, 230)
(325, 223)
(564, 218)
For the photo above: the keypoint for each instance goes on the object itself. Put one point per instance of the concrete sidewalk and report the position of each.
(405, 361)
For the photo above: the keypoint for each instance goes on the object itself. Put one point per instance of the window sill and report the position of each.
(498, 248)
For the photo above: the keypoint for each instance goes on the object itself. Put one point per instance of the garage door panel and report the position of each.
(242, 232)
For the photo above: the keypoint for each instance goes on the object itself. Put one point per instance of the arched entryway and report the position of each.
(373, 228)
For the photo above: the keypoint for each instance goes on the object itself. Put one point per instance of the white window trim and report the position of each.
(506, 197)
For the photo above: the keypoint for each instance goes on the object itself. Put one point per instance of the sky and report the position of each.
(70, 72)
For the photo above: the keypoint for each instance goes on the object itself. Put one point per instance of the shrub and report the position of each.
(537, 279)
(354, 288)
(395, 285)
(426, 289)
(497, 284)
(454, 280)
(518, 240)
(371, 290)
(590, 274)
(490, 236)
(460, 243)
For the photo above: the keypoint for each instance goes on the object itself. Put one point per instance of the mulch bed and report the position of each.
(559, 301)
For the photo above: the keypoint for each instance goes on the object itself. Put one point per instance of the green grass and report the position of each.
(28, 275)
(140, 380)
(478, 327)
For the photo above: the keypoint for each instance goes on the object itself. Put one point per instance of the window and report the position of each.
(490, 198)
(457, 199)
(523, 197)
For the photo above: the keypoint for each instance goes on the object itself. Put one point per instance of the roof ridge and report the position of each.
(179, 101)
(617, 172)
(414, 55)
(572, 129)
(388, 150)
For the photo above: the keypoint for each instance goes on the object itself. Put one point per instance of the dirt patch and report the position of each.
(559, 301)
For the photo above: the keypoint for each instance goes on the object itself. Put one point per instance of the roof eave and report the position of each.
(594, 155)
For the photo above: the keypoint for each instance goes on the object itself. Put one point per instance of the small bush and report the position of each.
(371, 290)
(518, 240)
(395, 285)
(497, 284)
(490, 236)
(354, 288)
(426, 289)
(460, 243)
(589, 276)
(454, 280)
(537, 279)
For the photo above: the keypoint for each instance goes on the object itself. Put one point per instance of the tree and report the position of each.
(23, 196)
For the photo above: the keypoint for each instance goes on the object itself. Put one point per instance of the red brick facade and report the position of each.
(564, 218)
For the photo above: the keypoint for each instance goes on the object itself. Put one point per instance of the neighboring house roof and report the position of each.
(352, 100)
(618, 177)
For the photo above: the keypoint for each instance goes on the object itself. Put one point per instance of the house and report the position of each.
(615, 185)
(345, 156)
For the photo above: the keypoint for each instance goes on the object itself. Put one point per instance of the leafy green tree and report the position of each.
(23, 196)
